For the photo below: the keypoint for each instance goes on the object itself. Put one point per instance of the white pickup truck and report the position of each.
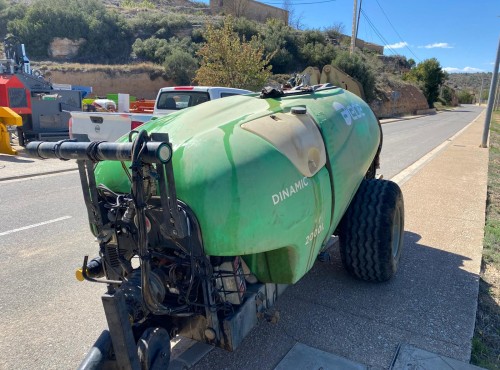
(99, 126)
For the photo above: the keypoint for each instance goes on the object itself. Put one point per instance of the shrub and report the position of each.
(181, 67)
(355, 66)
(162, 26)
(246, 28)
(465, 97)
(317, 54)
(148, 49)
(157, 50)
(107, 35)
(280, 41)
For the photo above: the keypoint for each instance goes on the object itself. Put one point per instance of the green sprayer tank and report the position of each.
(267, 178)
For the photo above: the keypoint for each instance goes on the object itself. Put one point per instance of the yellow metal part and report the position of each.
(8, 118)
(314, 75)
(79, 275)
(341, 79)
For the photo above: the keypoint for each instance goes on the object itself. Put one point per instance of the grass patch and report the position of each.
(486, 340)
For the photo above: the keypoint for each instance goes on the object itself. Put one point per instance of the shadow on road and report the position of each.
(430, 304)
(14, 159)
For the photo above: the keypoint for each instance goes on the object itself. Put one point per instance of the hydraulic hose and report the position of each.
(150, 301)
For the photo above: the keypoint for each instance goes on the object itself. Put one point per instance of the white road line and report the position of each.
(34, 225)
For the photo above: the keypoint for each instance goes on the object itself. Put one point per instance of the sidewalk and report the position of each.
(445, 211)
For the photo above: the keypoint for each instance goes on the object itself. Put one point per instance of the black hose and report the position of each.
(149, 299)
(151, 152)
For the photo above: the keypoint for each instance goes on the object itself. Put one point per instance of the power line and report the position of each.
(384, 41)
(359, 15)
(400, 38)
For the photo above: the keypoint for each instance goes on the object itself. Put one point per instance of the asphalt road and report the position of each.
(407, 141)
(48, 320)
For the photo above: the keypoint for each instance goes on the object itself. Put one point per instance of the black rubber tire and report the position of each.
(372, 230)
(153, 349)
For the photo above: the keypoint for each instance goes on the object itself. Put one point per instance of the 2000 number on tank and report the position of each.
(203, 211)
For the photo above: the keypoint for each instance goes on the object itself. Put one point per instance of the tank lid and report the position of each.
(299, 110)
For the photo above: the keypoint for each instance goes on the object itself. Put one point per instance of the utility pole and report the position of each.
(354, 26)
(497, 97)
(491, 98)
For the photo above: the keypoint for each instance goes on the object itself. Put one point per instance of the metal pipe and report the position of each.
(98, 354)
(154, 152)
(491, 99)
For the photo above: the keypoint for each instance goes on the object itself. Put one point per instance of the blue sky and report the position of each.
(462, 35)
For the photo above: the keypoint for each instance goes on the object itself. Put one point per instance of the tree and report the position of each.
(464, 97)
(429, 76)
(228, 61)
(3, 21)
(447, 95)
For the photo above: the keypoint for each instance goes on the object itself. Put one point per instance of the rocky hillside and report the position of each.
(470, 82)
(119, 34)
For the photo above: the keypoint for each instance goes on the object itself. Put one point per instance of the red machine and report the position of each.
(14, 95)
(44, 110)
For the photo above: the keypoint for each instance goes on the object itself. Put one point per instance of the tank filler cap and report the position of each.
(299, 110)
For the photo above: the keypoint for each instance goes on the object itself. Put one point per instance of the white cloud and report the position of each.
(437, 45)
(397, 45)
(462, 70)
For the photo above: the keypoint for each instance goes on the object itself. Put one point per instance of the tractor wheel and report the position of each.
(372, 230)
(153, 349)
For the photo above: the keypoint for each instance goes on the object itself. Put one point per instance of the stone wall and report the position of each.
(397, 100)
(140, 85)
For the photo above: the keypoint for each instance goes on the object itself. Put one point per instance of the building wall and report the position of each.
(249, 9)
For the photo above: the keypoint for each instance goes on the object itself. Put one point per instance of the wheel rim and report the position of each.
(396, 232)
